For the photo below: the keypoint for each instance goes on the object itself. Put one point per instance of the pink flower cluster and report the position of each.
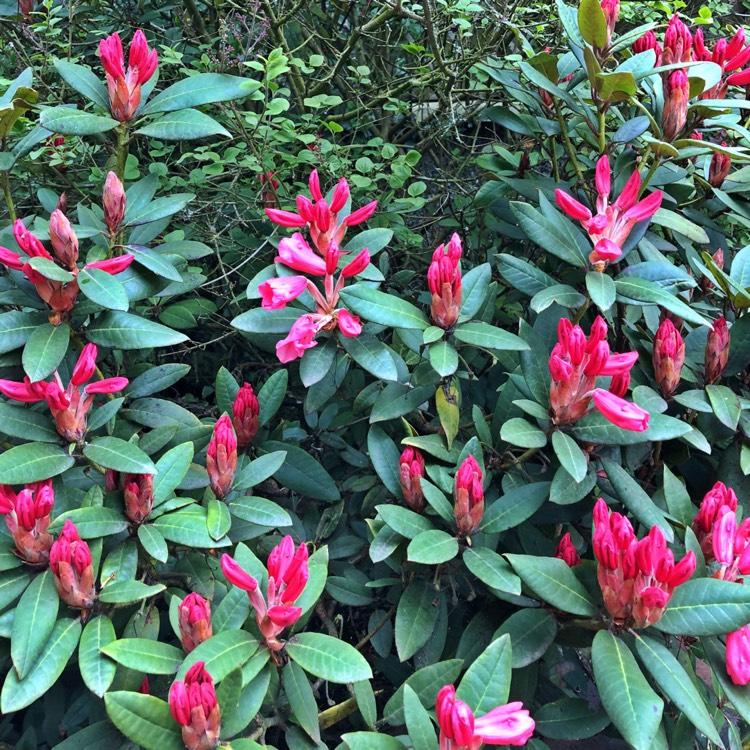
(637, 578)
(326, 232)
(194, 618)
(444, 282)
(69, 406)
(287, 577)
(668, 357)
(718, 499)
(221, 457)
(574, 365)
(610, 227)
(193, 705)
(468, 506)
(411, 470)
(461, 730)
(72, 568)
(27, 515)
(124, 87)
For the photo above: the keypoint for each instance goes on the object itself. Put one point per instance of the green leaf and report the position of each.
(328, 658)
(385, 309)
(45, 350)
(144, 655)
(561, 294)
(403, 520)
(432, 548)
(185, 125)
(218, 519)
(635, 709)
(446, 403)
(633, 290)
(592, 23)
(144, 719)
(260, 511)
(91, 522)
(302, 703)
(188, 527)
(103, 289)
(127, 592)
(492, 569)
(19, 422)
(68, 121)
(34, 620)
(16, 327)
(569, 719)
(489, 337)
(258, 470)
(316, 363)
(515, 507)
(120, 330)
(17, 694)
(636, 499)
(415, 618)
(518, 431)
(50, 270)
(371, 741)
(160, 208)
(554, 582)
(12, 585)
(303, 474)
(259, 320)
(596, 428)
(33, 462)
(153, 542)
(156, 379)
(204, 88)
(372, 355)
(486, 683)
(97, 671)
(570, 455)
(675, 683)
(384, 456)
(443, 358)
(115, 453)
(531, 632)
(724, 402)
(739, 695)
(706, 606)
(171, 469)
(221, 653)
(418, 723)
(601, 289)
(84, 81)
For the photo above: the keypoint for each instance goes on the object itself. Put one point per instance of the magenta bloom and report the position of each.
(609, 228)
(295, 253)
(300, 338)
(738, 656)
(622, 413)
(277, 292)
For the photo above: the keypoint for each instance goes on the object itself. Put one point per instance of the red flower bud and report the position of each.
(468, 507)
(114, 201)
(221, 457)
(138, 493)
(411, 470)
(64, 240)
(717, 350)
(70, 561)
(245, 414)
(194, 616)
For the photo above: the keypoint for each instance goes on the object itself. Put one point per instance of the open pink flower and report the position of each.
(349, 324)
(300, 338)
(295, 253)
(624, 414)
(277, 292)
(611, 222)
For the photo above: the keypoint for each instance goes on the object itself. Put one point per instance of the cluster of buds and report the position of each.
(59, 296)
(574, 365)
(194, 618)
(194, 707)
(124, 86)
(113, 201)
(245, 415)
(646, 42)
(444, 282)
(72, 568)
(461, 730)
(269, 186)
(27, 517)
(718, 169)
(410, 472)
(69, 406)
(468, 506)
(138, 494)
(731, 545)
(221, 457)
(296, 254)
(637, 578)
(611, 225)
(738, 656)
(322, 219)
(712, 506)
(566, 551)
(287, 577)
(717, 350)
(668, 357)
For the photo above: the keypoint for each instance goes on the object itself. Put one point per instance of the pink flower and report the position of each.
(468, 507)
(27, 516)
(194, 617)
(646, 42)
(72, 568)
(125, 86)
(113, 200)
(719, 168)
(738, 656)
(277, 292)
(356, 266)
(411, 470)
(288, 574)
(113, 265)
(676, 98)
(444, 282)
(611, 222)
(718, 497)
(194, 707)
(566, 551)
(668, 357)
(299, 339)
(63, 239)
(349, 324)
(717, 350)
(621, 413)
(138, 494)
(295, 253)
(460, 730)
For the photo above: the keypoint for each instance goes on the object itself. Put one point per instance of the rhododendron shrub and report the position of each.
(488, 492)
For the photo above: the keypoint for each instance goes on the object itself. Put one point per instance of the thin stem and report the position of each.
(568, 144)
(602, 131)
(123, 147)
(8, 196)
(654, 166)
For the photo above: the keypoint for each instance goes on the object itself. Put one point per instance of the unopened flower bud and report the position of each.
(63, 238)
(668, 357)
(221, 457)
(676, 98)
(468, 507)
(717, 350)
(566, 551)
(245, 414)
(411, 470)
(719, 168)
(72, 568)
(194, 707)
(114, 202)
(138, 493)
(194, 616)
